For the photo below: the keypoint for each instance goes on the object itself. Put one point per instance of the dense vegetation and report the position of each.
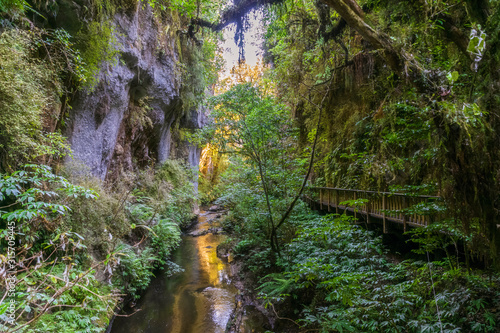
(374, 94)
(72, 247)
(384, 95)
(326, 273)
(431, 126)
(84, 250)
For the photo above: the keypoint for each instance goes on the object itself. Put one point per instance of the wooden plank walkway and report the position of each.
(383, 206)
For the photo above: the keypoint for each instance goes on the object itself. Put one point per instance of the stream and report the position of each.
(199, 300)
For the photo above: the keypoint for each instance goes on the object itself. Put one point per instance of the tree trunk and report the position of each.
(350, 11)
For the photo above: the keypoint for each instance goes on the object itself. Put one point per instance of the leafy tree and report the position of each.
(259, 129)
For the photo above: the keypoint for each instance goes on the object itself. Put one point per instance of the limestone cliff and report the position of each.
(129, 119)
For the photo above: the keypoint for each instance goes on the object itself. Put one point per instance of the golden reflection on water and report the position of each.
(179, 315)
(210, 289)
(199, 300)
(209, 262)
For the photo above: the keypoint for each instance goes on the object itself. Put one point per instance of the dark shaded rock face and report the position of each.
(126, 122)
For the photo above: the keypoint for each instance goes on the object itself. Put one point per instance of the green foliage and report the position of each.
(339, 273)
(171, 191)
(78, 255)
(381, 128)
(355, 203)
(477, 43)
(28, 89)
(207, 191)
(211, 59)
(99, 45)
(48, 262)
(88, 304)
(136, 265)
(242, 247)
(248, 218)
(166, 238)
(141, 223)
(400, 144)
(204, 8)
(14, 8)
(257, 133)
(187, 7)
(201, 64)
(136, 268)
(239, 118)
(102, 222)
(31, 200)
(33, 66)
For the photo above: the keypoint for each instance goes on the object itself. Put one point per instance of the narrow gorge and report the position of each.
(249, 166)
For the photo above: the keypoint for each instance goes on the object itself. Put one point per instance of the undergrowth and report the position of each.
(29, 88)
(79, 252)
(336, 278)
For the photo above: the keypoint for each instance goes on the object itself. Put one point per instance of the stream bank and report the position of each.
(206, 297)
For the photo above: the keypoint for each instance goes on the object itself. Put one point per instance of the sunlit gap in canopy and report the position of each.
(253, 39)
(212, 163)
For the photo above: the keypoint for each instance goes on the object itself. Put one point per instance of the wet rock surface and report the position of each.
(216, 208)
(208, 223)
(249, 314)
(101, 129)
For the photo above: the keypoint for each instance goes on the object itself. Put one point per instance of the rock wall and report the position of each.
(128, 120)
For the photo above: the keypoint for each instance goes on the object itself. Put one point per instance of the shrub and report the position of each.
(29, 88)
(344, 282)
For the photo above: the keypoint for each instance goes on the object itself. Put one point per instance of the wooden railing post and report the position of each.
(328, 192)
(365, 206)
(320, 199)
(355, 208)
(337, 201)
(383, 214)
(404, 214)
(368, 209)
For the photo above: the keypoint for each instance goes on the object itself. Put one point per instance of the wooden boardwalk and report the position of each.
(387, 207)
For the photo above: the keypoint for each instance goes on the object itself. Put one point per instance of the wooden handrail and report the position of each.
(385, 206)
(373, 192)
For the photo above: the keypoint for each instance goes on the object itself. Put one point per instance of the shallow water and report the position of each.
(199, 300)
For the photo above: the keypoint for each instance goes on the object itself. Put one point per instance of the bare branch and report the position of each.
(234, 14)
(311, 161)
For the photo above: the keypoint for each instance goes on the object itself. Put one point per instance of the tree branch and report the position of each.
(311, 160)
(234, 14)
(352, 14)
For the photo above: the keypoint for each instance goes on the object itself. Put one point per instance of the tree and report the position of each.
(349, 10)
(258, 128)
